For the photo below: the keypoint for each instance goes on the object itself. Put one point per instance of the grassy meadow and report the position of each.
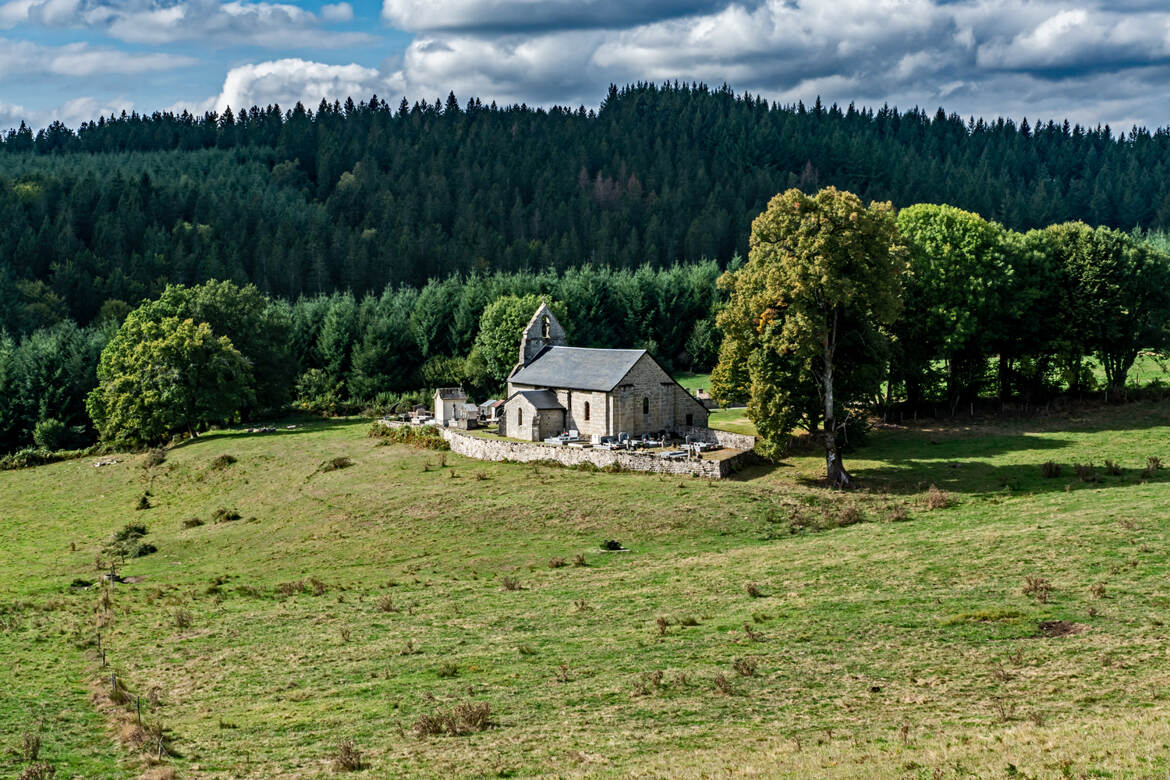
(1003, 623)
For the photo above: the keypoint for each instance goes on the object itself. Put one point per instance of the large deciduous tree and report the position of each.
(1121, 295)
(256, 326)
(500, 326)
(955, 290)
(806, 313)
(158, 377)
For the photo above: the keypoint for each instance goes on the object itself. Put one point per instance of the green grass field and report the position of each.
(351, 603)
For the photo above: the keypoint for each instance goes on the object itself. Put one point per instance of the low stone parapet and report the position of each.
(526, 452)
(734, 441)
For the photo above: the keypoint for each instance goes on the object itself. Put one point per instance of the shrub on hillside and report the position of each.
(425, 437)
(153, 458)
(128, 543)
(35, 456)
(461, 719)
(938, 499)
(1050, 469)
(222, 462)
(51, 434)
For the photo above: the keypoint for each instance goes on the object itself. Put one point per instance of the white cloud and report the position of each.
(22, 58)
(266, 24)
(534, 15)
(985, 57)
(11, 114)
(337, 12)
(72, 113)
(289, 80)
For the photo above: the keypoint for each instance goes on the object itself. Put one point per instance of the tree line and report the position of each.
(937, 304)
(359, 196)
(968, 310)
(325, 353)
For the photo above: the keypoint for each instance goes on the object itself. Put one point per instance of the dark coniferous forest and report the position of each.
(364, 195)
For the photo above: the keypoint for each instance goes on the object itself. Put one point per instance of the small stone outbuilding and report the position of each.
(449, 401)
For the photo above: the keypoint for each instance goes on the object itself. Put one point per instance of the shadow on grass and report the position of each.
(922, 447)
(975, 478)
(303, 425)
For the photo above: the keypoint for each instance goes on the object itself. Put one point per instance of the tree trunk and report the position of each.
(834, 468)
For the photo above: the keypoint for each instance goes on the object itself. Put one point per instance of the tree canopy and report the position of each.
(822, 278)
(158, 377)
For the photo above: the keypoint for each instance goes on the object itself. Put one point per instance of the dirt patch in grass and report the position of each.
(1055, 628)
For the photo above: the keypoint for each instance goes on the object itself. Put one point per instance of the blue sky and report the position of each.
(1092, 61)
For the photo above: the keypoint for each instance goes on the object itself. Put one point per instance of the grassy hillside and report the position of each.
(743, 632)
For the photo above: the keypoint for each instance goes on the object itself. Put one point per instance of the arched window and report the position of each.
(544, 327)
(519, 416)
(645, 405)
(586, 411)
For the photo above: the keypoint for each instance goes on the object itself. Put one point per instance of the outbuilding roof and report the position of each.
(578, 368)
(541, 399)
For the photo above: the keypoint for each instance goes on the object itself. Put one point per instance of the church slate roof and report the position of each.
(542, 399)
(578, 368)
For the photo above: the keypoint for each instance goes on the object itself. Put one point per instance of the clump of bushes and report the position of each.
(1038, 588)
(222, 515)
(310, 585)
(50, 434)
(222, 462)
(1050, 469)
(938, 499)
(127, 543)
(155, 457)
(1153, 464)
(461, 719)
(335, 464)
(425, 437)
(1085, 472)
(192, 522)
(745, 667)
(348, 758)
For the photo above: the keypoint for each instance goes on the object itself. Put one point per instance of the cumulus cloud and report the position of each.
(22, 58)
(983, 57)
(1091, 60)
(72, 113)
(494, 16)
(337, 12)
(217, 23)
(11, 114)
(289, 80)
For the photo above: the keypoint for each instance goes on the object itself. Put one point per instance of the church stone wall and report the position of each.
(537, 424)
(525, 452)
(667, 405)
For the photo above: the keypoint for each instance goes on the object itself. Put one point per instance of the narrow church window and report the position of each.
(645, 405)
(519, 416)
(586, 411)
(690, 419)
(544, 328)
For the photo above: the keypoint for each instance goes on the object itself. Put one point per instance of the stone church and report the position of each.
(597, 392)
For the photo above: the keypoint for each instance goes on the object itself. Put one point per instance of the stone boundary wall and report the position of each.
(734, 441)
(526, 452)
